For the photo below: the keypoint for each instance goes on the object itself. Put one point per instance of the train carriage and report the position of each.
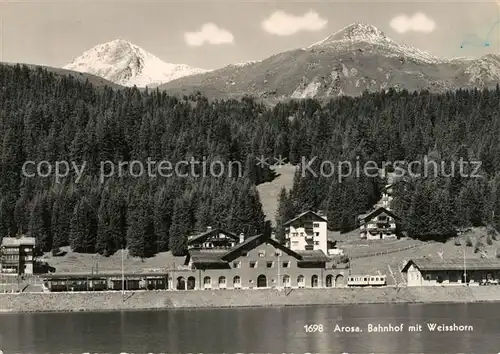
(366, 280)
(105, 281)
(75, 282)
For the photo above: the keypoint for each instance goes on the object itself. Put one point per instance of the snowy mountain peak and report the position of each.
(367, 37)
(355, 32)
(127, 64)
(359, 31)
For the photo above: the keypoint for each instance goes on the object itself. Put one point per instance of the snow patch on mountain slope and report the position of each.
(127, 64)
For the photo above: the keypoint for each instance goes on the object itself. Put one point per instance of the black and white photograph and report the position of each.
(230, 176)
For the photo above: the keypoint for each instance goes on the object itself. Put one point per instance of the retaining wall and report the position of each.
(104, 301)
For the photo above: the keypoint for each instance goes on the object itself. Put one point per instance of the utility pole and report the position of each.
(123, 280)
(465, 270)
(174, 283)
(279, 279)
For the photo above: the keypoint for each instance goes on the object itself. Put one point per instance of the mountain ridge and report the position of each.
(355, 59)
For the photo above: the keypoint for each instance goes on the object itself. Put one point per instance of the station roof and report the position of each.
(437, 264)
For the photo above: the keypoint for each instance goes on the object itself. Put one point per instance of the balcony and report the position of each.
(10, 251)
(385, 225)
(10, 261)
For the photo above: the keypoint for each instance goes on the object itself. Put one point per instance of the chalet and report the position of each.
(459, 271)
(387, 197)
(16, 255)
(213, 239)
(380, 223)
(307, 232)
(257, 262)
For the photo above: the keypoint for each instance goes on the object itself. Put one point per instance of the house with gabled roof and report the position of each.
(213, 239)
(387, 196)
(380, 223)
(452, 271)
(307, 232)
(257, 262)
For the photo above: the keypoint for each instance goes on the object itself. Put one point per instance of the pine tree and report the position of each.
(39, 223)
(283, 213)
(83, 229)
(111, 230)
(141, 237)
(182, 225)
(163, 210)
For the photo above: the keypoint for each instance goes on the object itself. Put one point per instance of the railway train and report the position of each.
(366, 280)
(102, 282)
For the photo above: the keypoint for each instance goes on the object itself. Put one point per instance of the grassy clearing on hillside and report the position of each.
(79, 262)
(270, 191)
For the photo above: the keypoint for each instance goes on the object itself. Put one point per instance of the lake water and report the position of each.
(262, 330)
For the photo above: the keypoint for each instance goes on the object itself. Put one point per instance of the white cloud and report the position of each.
(419, 22)
(282, 24)
(209, 33)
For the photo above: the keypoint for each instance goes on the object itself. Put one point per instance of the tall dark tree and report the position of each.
(283, 213)
(182, 225)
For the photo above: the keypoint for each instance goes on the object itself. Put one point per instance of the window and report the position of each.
(316, 234)
(269, 264)
(262, 253)
(286, 264)
(295, 242)
(244, 254)
(309, 248)
(253, 264)
(316, 243)
(237, 264)
(300, 281)
(314, 281)
(316, 224)
(427, 277)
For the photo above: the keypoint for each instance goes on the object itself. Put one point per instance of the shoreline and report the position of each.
(231, 299)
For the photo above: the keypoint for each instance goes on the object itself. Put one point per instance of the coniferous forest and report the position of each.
(46, 117)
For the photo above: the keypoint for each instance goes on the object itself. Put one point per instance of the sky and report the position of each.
(211, 34)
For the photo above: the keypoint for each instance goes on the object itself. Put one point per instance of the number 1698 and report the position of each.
(313, 328)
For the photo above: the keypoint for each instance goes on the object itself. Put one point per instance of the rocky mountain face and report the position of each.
(358, 58)
(126, 64)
